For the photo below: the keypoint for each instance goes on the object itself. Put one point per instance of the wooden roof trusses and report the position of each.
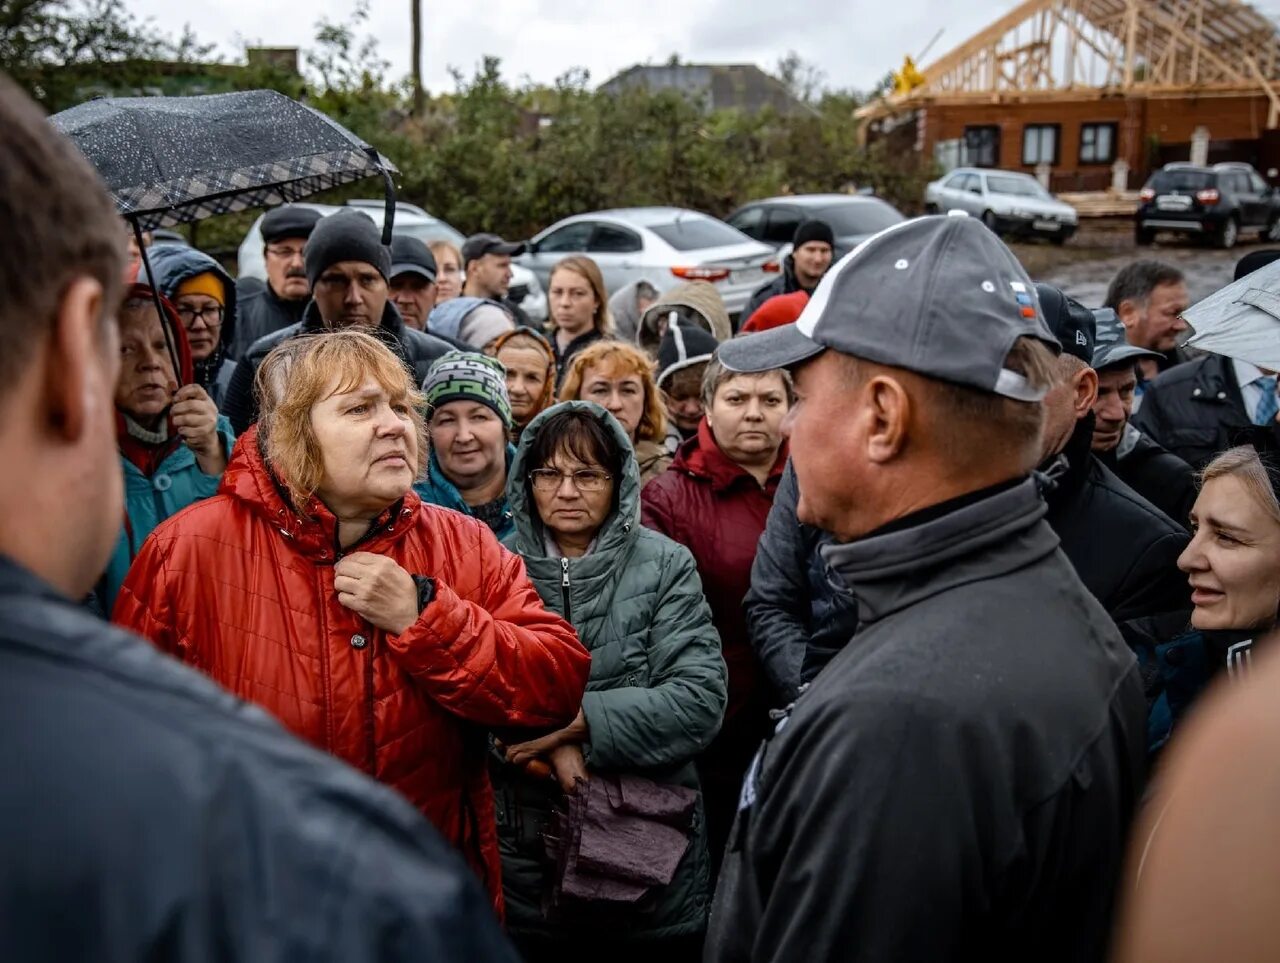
(1073, 46)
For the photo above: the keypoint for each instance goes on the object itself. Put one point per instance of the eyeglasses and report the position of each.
(211, 315)
(285, 253)
(585, 480)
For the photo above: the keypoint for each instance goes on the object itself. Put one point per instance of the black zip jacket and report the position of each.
(150, 815)
(958, 783)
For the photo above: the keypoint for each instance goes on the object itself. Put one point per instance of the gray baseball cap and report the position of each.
(1109, 344)
(941, 296)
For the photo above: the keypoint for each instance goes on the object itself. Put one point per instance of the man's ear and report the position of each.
(75, 361)
(889, 411)
(1128, 312)
(1086, 384)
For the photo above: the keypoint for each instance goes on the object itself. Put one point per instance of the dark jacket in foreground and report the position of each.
(1196, 411)
(415, 348)
(1124, 549)
(958, 784)
(262, 312)
(153, 816)
(1159, 476)
(797, 620)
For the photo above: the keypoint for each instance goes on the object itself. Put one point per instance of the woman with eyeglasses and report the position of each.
(204, 296)
(654, 699)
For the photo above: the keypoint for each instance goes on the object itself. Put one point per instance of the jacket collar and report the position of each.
(1215, 384)
(314, 533)
(903, 566)
(1067, 471)
(392, 324)
(701, 457)
(17, 579)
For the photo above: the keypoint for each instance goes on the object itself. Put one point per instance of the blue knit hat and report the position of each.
(466, 376)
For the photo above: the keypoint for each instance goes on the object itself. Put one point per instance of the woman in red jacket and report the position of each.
(316, 584)
(714, 499)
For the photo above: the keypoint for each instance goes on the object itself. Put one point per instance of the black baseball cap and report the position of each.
(478, 245)
(290, 220)
(1069, 320)
(410, 256)
(941, 296)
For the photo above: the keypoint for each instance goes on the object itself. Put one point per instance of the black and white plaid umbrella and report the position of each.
(171, 160)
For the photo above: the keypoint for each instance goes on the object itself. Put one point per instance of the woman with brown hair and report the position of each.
(448, 270)
(531, 375)
(317, 584)
(619, 378)
(579, 305)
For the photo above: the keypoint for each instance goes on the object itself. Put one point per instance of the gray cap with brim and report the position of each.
(941, 296)
(1110, 347)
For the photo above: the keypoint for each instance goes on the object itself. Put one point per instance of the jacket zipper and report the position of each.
(564, 589)
(370, 725)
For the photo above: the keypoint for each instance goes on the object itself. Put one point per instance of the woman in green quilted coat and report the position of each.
(654, 701)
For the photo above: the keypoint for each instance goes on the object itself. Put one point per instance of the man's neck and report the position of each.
(469, 292)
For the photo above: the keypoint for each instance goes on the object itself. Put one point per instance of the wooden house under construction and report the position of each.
(1097, 93)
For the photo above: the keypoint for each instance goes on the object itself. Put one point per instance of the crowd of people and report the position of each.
(852, 628)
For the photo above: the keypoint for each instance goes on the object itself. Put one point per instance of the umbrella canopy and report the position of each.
(1242, 320)
(170, 160)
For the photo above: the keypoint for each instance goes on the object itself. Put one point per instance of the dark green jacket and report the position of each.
(654, 700)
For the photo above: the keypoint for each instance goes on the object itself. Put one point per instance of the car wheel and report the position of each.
(1144, 236)
(931, 209)
(1229, 234)
(989, 219)
(1057, 240)
(1272, 232)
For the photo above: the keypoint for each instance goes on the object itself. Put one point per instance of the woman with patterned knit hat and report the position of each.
(469, 423)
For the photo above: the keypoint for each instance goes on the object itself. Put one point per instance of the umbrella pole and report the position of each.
(155, 297)
(389, 214)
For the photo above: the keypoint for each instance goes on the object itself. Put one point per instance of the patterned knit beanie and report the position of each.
(465, 376)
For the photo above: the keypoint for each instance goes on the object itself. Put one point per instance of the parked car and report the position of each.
(414, 221)
(1009, 202)
(853, 218)
(1217, 203)
(664, 245)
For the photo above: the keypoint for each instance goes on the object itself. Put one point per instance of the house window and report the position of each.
(1097, 143)
(1039, 144)
(982, 146)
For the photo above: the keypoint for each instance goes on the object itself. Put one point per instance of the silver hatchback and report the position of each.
(662, 245)
(1009, 202)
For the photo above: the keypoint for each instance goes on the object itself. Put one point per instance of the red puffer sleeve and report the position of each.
(495, 656)
(143, 605)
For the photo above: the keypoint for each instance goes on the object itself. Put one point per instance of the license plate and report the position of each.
(748, 274)
(1046, 225)
(1173, 202)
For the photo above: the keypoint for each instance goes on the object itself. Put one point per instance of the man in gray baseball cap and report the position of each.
(958, 782)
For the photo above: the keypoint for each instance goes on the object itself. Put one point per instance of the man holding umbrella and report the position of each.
(149, 815)
(349, 270)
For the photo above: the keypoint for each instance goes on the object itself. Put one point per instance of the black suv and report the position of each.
(1215, 202)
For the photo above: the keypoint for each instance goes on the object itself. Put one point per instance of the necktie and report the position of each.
(1265, 413)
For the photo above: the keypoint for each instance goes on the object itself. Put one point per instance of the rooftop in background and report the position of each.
(742, 87)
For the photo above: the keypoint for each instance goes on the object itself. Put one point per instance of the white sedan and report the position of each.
(662, 245)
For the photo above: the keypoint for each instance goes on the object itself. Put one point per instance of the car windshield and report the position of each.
(859, 218)
(696, 233)
(1017, 186)
(1181, 180)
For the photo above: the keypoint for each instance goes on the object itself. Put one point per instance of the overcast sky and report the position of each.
(854, 43)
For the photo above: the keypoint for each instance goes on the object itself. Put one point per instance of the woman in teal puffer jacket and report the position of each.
(655, 697)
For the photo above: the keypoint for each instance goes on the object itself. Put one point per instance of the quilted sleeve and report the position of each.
(143, 604)
(496, 656)
(677, 714)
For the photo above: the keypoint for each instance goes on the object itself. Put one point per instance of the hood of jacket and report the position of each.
(173, 264)
(625, 311)
(619, 528)
(446, 318)
(698, 296)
